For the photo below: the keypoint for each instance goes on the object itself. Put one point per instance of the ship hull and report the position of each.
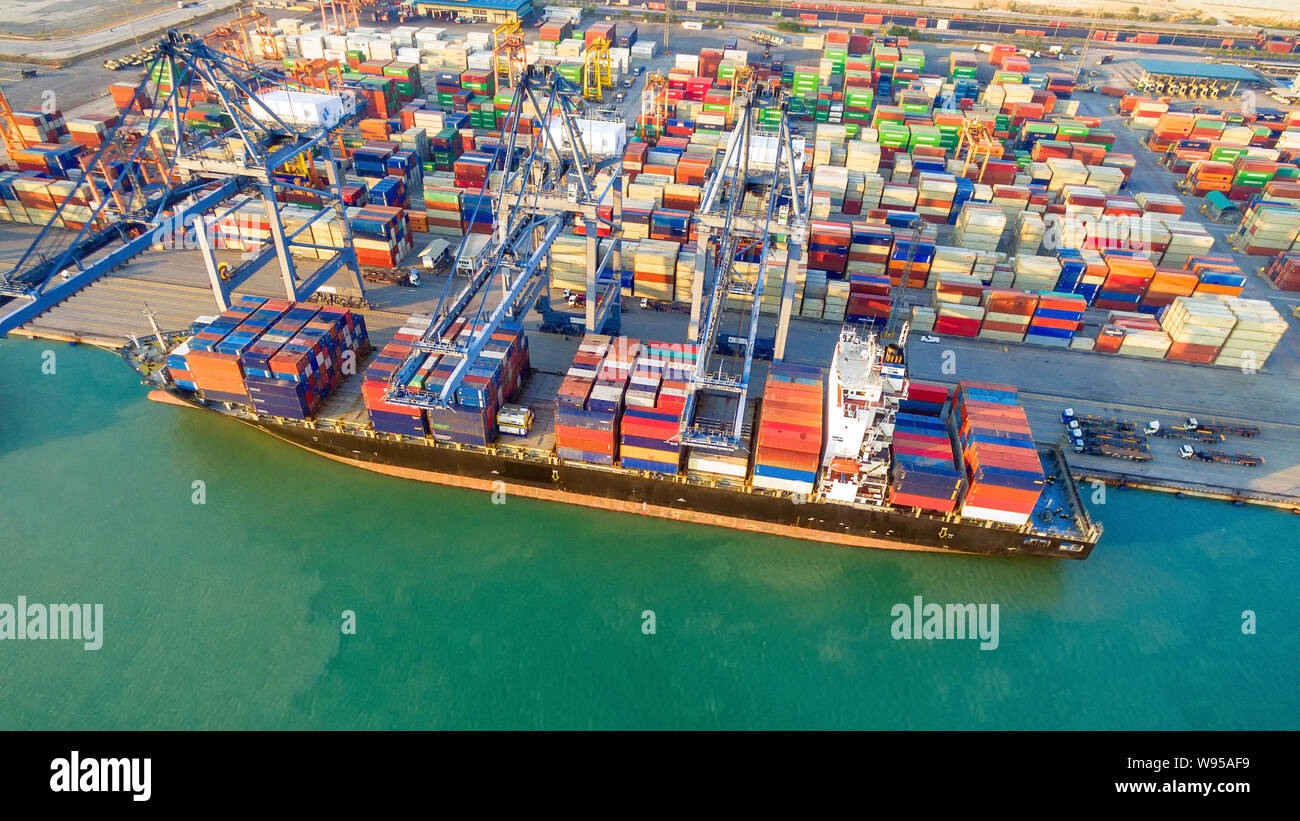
(644, 494)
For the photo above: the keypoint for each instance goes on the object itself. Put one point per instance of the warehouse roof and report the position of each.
(1201, 71)
(494, 5)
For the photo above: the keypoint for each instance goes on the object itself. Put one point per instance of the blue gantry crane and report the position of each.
(545, 181)
(162, 175)
(775, 162)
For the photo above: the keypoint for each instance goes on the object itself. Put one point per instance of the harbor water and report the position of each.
(230, 614)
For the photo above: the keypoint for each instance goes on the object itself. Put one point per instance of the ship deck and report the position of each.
(1058, 506)
(1059, 512)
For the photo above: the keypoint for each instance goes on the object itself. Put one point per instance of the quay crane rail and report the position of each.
(158, 176)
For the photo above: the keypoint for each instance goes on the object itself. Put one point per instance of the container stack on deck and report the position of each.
(655, 401)
(925, 474)
(283, 358)
(789, 439)
(489, 382)
(1004, 474)
(591, 398)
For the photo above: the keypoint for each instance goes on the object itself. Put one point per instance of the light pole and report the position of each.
(668, 10)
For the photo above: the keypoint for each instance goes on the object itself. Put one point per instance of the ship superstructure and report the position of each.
(867, 381)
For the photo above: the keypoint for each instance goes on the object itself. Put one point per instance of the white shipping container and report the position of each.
(311, 46)
(762, 151)
(361, 44)
(599, 138)
(300, 108)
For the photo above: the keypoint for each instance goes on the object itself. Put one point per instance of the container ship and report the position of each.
(855, 454)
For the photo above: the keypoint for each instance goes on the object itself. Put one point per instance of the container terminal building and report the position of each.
(481, 11)
(1185, 78)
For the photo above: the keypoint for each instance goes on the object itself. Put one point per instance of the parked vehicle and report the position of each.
(407, 278)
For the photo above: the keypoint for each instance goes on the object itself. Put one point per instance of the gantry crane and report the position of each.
(654, 102)
(597, 74)
(9, 133)
(533, 206)
(317, 74)
(976, 143)
(896, 326)
(742, 84)
(723, 234)
(337, 20)
(508, 59)
(234, 38)
(163, 177)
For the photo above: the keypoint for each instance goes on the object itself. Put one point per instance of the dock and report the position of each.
(175, 287)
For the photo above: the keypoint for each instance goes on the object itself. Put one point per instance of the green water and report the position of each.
(528, 614)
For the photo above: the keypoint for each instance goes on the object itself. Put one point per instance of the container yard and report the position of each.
(724, 285)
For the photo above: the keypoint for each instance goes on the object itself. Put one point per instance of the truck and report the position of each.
(767, 38)
(1175, 431)
(984, 48)
(1190, 430)
(1118, 452)
(1220, 457)
(405, 277)
(1222, 428)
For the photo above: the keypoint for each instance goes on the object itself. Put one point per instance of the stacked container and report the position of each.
(1284, 272)
(654, 403)
(489, 382)
(1004, 474)
(1258, 329)
(384, 416)
(789, 441)
(925, 474)
(381, 235)
(590, 402)
(1056, 318)
(1007, 314)
(285, 357)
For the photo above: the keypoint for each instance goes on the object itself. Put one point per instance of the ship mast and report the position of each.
(153, 323)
